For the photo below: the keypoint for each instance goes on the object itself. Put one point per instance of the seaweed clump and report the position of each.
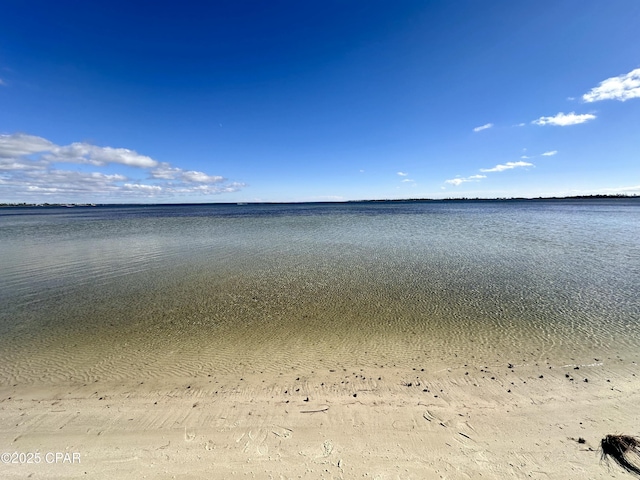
(624, 450)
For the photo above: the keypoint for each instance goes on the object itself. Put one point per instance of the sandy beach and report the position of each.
(488, 421)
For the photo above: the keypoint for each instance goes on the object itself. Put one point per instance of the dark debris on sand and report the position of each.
(624, 450)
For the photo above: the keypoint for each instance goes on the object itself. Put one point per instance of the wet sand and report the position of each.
(501, 420)
(197, 381)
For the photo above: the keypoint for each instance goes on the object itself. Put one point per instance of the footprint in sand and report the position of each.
(188, 437)
(327, 448)
(262, 449)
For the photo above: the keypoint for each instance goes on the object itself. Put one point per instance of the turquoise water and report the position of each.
(99, 292)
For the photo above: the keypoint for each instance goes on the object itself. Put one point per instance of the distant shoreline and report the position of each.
(436, 200)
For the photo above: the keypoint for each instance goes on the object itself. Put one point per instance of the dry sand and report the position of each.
(489, 421)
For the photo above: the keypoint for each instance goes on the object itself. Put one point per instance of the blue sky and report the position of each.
(126, 102)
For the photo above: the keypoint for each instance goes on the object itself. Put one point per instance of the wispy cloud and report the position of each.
(507, 166)
(98, 156)
(18, 145)
(483, 127)
(3, 83)
(460, 180)
(498, 168)
(622, 87)
(405, 179)
(34, 167)
(550, 153)
(564, 119)
(167, 172)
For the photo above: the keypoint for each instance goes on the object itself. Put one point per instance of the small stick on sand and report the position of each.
(323, 409)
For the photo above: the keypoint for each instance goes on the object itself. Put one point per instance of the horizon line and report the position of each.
(447, 199)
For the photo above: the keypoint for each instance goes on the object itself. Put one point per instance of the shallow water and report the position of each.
(161, 291)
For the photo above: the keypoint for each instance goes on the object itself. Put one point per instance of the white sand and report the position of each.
(467, 425)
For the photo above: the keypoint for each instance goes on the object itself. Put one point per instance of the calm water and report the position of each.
(100, 292)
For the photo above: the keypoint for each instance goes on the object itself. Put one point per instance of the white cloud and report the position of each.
(456, 181)
(99, 156)
(483, 127)
(165, 172)
(144, 188)
(408, 180)
(15, 164)
(460, 180)
(56, 181)
(3, 83)
(545, 154)
(622, 87)
(31, 170)
(200, 177)
(19, 144)
(402, 174)
(563, 120)
(498, 168)
(507, 166)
